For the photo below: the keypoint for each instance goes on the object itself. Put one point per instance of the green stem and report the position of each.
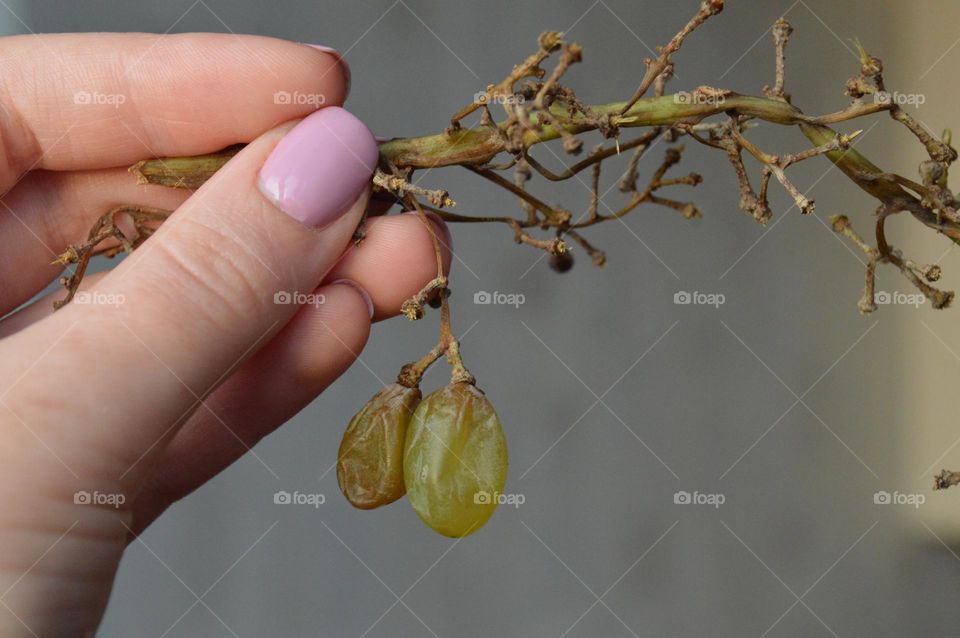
(478, 146)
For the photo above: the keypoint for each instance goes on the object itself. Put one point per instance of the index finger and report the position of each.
(82, 101)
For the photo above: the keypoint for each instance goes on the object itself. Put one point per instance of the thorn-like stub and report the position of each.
(845, 140)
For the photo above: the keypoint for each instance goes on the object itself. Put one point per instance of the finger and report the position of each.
(108, 99)
(390, 262)
(48, 211)
(197, 299)
(315, 348)
(395, 260)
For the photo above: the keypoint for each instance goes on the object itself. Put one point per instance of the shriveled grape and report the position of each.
(370, 460)
(455, 461)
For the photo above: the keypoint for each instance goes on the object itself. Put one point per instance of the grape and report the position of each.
(562, 262)
(455, 461)
(370, 460)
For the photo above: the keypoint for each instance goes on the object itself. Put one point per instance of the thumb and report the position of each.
(213, 284)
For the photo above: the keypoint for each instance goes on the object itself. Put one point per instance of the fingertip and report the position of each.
(395, 260)
(363, 293)
(344, 67)
(443, 236)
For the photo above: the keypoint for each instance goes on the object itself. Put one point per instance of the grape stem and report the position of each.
(438, 286)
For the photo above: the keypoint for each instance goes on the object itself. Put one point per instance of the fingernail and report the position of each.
(320, 168)
(343, 64)
(358, 288)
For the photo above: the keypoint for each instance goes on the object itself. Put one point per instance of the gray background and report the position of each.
(604, 426)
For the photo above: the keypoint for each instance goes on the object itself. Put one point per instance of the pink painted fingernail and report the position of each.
(363, 293)
(320, 168)
(343, 64)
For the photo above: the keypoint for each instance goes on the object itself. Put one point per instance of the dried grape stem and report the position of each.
(106, 229)
(541, 109)
(478, 146)
(656, 67)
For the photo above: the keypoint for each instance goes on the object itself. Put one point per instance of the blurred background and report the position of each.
(783, 402)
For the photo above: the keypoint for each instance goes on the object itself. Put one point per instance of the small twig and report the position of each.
(597, 256)
(413, 308)
(914, 272)
(594, 189)
(555, 246)
(549, 42)
(656, 67)
(521, 176)
(774, 165)
(105, 229)
(595, 157)
(781, 35)
(399, 186)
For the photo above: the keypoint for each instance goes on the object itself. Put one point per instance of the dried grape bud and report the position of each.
(370, 460)
(455, 460)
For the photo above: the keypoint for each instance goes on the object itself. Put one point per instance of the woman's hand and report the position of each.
(188, 352)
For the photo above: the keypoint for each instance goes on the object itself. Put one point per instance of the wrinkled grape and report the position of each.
(370, 460)
(455, 461)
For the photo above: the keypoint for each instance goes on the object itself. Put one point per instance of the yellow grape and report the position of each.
(455, 461)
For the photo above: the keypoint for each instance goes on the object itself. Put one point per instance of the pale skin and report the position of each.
(153, 397)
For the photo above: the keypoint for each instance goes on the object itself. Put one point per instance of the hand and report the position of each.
(185, 354)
